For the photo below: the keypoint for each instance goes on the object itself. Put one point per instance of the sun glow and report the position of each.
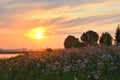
(39, 35)
(36, 33)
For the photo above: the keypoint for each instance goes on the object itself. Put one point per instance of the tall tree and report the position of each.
(106, 39)
(90, 37)
(117, 35)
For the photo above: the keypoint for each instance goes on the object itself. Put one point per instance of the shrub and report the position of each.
(49, 50)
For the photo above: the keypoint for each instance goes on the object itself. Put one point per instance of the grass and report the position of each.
(90, 63)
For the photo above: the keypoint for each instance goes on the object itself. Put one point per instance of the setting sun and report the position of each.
(36, 33)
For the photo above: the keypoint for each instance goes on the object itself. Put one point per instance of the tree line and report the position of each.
(91, 38)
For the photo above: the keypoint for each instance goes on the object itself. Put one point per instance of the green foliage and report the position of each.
(90, 37)
(106, 39)
(117, 36)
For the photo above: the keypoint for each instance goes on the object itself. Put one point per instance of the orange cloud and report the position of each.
(59, 17)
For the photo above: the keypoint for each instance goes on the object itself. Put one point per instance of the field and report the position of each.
(90, 63)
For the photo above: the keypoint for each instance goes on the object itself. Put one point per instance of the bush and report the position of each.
(49, 50)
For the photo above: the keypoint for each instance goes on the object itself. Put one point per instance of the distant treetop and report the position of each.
(106, 39)
(117, 35)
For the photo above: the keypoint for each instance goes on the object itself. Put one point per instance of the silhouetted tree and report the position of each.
(90, 37)
(106, 39)
(117, 35)
(71, 41)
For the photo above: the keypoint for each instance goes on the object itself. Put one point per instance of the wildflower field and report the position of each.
(90, 63)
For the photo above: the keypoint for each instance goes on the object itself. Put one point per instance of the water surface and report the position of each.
(4, 56)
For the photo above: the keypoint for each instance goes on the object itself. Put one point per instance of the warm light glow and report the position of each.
(37, 33)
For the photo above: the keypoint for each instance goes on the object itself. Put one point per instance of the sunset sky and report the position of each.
(21, 21)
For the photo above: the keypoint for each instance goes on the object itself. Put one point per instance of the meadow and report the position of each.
(89, 63)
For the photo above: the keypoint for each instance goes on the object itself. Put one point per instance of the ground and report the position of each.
(89, 63)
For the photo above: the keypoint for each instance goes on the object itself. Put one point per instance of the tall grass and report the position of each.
(90, 63)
